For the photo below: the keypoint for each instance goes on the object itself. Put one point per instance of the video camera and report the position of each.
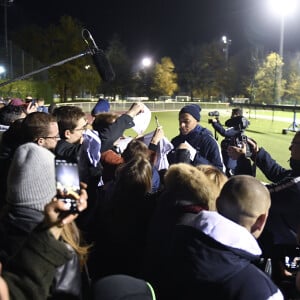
(215, 114)
(239, 123)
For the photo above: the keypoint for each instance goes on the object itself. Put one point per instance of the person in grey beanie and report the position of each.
(194, 144)
(30, 186)
(31, 178)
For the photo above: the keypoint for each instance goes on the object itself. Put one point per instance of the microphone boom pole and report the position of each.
(59, 63)
(102, 64)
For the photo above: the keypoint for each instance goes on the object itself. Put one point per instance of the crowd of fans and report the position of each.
(191, 228)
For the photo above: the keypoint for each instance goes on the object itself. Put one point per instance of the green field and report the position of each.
(266, 132)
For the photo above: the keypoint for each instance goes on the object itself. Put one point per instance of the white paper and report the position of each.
(122, 143)
(192, 150)
(142, 121)
(164, 148)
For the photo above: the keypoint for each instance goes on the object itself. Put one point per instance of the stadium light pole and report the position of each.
(2, 71)
(226, 43)
(5, 4)
(282, 8)
(146, 63)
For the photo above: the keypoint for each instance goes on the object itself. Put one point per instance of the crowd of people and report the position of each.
(190, 227)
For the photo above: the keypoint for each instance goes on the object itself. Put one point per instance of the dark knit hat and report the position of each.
(101, 106)
(31, 177)
(193, 110)
(125, 287)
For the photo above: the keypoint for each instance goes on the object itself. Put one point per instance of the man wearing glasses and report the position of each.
(71, 123)
(42, 129)
(37, 127)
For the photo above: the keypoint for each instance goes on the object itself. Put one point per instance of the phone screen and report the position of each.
(67, 177)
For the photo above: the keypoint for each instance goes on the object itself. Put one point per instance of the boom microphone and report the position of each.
(101, 62)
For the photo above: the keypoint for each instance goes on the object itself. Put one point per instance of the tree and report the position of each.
(56, 43)
(204, 71)
(164, 79)
(292, 92)
(189, 70)
(266, 79)
(65, 41)
(19, 89)
(215, 70)
(118, 57)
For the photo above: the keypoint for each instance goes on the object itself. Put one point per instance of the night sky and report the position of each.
(164, 27)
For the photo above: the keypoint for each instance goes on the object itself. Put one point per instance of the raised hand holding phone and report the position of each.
(57, 213)
(67, 184)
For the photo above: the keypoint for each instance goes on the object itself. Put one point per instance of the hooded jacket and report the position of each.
(207, 148)
(15, 228)
(187, 191)
(213, 256)
(28, 280)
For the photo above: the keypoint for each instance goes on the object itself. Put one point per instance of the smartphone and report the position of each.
(67, 183)
(32, 103)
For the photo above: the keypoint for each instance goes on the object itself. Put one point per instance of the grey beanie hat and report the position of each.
(31, 177)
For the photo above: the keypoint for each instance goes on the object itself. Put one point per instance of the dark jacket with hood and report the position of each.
(208, 150)
(15, 228)
(187, 191)
(30, 273)
(213, 256)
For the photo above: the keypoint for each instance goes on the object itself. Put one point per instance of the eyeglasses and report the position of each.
(57, 137)
(82, 128)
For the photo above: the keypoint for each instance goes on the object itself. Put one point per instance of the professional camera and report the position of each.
(238, 141)
(215, 114)
(239, 123)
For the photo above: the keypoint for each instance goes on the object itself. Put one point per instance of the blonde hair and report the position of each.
(190, 184)
(217, 177)
(72, 236)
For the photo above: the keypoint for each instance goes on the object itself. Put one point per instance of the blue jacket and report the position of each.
(213, 256)
(228, 133)
(208, 150)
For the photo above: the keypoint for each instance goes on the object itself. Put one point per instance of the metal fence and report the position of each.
(153, 106)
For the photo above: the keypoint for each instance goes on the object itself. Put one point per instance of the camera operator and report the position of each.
(279, 237)
(236, 127)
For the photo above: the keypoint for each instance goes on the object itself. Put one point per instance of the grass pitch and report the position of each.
(265, 128)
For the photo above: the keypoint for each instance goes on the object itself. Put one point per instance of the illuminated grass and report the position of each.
(266, 132)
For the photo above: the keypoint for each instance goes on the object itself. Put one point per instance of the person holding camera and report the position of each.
(236, 126)
(279, 238)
